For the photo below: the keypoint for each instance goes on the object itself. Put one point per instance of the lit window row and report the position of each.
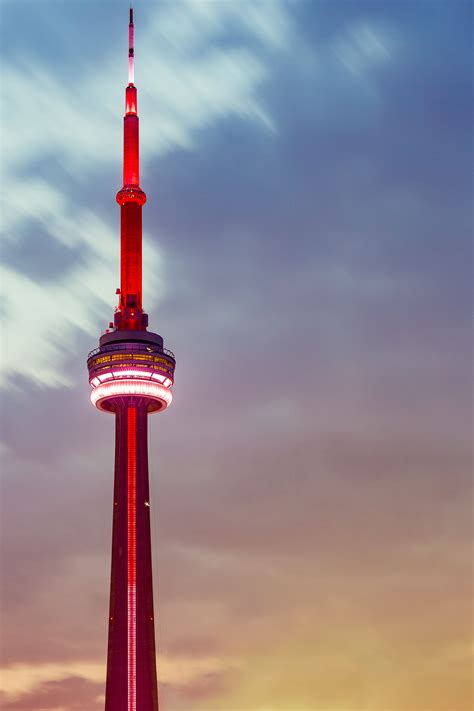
(103, 359)
(134, 356)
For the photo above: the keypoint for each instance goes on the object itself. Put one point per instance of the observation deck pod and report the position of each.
(131, 364)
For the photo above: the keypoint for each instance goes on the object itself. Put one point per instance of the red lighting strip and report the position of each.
(132, 556)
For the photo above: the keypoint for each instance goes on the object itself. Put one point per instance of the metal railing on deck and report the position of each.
(132, 348)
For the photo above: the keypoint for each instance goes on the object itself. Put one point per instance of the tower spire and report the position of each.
(131, 198)
(131, 52)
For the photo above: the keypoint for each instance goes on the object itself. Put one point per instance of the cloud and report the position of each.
(54, 686)
(50, 317)
(21, 255)
(189, 82)
(49, 681)
(361, 47)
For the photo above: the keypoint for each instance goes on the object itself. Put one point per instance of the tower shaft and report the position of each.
(131, 665)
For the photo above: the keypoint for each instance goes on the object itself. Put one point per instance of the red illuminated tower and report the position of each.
(131, 375)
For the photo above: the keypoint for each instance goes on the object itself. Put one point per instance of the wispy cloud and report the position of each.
(189, 82)
(361, 47)
(181, 671)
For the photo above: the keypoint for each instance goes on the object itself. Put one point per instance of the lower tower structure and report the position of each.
(131, 375)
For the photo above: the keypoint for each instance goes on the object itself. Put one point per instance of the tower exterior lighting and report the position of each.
(131, 375)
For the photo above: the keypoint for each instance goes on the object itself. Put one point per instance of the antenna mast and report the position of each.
(131, 54)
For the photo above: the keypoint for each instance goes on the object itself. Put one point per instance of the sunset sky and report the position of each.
(307, 257)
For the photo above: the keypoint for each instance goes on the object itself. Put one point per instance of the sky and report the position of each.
(307, 257)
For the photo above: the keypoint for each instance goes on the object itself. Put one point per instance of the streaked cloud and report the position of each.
(189, 82)
(361, 47)
(20, 680)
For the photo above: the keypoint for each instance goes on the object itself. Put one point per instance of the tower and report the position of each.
(131, 375)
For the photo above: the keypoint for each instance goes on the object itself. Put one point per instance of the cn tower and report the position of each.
(131, 375)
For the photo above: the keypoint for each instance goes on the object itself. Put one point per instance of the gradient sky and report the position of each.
(307, 257)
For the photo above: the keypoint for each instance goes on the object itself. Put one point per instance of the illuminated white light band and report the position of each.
(141, 374)
(166, 381)
(118, 388)
(160, 378)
